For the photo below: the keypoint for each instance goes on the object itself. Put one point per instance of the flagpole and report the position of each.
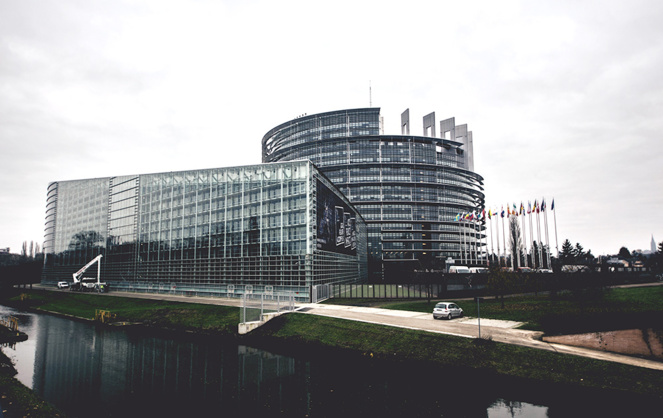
(490, 226)
(462, 239)
(465, 253)
(477, 239)
(538, 235)
(545, 220)
(497, 237)
(513, 256)
(504, 236)
(552, 208)
(471, 240)
(474, 239)
(485, 224)
(531, 232)
(522, 209)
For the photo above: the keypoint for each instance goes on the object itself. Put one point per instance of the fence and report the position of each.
(231, 291)
(388, 291)
(320, 292)
(255, 306)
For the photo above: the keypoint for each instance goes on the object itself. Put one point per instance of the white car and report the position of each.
(63, 285)
(447, 310)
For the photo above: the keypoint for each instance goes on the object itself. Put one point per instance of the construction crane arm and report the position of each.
(80, 272)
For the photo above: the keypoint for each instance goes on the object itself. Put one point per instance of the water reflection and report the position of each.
(99, 371)
(509, 409)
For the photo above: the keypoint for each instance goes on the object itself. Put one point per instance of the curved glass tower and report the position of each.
(408, 188)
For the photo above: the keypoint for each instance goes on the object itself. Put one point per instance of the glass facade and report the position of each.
(225, 230)
(408, 188)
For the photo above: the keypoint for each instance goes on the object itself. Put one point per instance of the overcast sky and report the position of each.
(564, 98)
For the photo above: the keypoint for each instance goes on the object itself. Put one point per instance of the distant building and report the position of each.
(279, 227)
(409, 188)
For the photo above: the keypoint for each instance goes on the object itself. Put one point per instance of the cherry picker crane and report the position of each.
(83, 283)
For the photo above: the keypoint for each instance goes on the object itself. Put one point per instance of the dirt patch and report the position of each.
(634, 342)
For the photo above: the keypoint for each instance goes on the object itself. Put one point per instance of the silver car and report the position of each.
(447, 310)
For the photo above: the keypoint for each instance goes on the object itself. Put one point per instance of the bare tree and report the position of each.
(515, 240)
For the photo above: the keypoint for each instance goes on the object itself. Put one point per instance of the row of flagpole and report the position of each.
(472, 252)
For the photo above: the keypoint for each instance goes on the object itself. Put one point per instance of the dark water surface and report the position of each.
(92, 371)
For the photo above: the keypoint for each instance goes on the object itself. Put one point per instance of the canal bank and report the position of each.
(367, 335)
(310, 366)
(17, 400)
(496, 330)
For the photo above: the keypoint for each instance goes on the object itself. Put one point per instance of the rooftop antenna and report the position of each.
(370, 95)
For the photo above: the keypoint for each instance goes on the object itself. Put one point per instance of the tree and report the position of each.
(579, 251)
(568, 254)
(501, 282)
(624, 253)
(515, 240)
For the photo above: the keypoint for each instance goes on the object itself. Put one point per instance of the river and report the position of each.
(95, 371)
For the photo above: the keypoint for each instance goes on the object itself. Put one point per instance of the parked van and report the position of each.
(478, 270)
(459, 269)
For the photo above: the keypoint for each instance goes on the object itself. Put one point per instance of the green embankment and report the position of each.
(156, 313)
(383, 342)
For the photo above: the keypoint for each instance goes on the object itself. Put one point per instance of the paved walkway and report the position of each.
(468, 327)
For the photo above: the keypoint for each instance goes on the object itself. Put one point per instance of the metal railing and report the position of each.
(228, 291)
(255, 306)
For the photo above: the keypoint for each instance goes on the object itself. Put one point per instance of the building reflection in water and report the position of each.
(85, 370)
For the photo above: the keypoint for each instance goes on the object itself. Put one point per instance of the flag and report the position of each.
(502, 211)
(483, 214)
(552, 206)
(458, 217)
(543, 204)
(529, 207)
(522, 208)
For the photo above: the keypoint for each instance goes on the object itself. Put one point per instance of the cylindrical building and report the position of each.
(408, 188)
